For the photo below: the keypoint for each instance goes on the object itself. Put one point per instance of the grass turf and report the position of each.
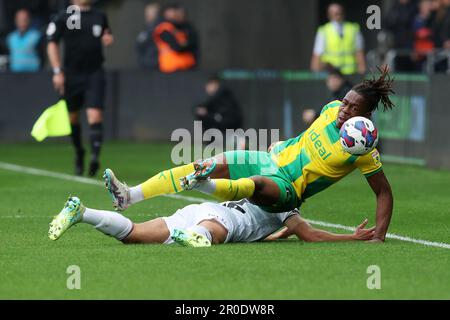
(33, 267)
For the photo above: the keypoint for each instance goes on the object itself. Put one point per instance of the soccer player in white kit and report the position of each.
(200, 225)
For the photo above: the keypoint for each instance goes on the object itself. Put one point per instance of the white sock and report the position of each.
(110, 223)
(136, 194)
(207, 186)
(201, 230)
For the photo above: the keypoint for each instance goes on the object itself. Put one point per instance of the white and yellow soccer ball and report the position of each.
(358, 136)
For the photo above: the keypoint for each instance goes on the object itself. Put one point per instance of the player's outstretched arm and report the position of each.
(385, 202)
(280, 234)
(304, 231)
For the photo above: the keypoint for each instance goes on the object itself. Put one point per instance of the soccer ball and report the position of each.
(358, 136)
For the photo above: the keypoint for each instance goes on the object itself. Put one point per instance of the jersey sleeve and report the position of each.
(284, 216)
(55, 28)
(332, 104)
(370, 163)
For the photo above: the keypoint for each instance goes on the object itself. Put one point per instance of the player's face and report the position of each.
(352, 106)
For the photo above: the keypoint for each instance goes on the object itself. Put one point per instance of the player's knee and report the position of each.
(260, 184)
(133, 237)
(266, 192)
(130, 239)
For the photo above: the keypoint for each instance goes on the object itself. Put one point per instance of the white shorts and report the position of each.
(193, 214)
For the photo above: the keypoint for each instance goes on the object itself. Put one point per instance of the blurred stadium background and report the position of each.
(261, 50)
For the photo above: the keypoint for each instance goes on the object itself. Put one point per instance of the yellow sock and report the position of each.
(166, 182)
(226, 190)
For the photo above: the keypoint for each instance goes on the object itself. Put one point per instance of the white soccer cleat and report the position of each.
(71, 214)
(118, 191)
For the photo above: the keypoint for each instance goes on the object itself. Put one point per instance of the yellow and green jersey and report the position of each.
(315, 159)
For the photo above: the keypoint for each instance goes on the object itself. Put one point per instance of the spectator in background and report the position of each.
(437, 18)
(338, 87)
(147, 52)
(221, 110)
(191, 33)
(423, 35)
(399, 21)
(446, 26)
(440, 25)
(23, 45)
(337, 84)
(339, 43)
(174, 46)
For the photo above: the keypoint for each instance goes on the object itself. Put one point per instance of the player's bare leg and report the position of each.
(203, 234)
(218, 232)
(153, 231)
(267, 192)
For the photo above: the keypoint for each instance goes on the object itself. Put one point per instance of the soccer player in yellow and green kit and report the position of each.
(292, 171)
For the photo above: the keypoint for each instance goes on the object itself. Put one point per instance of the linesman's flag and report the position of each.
(53, 122)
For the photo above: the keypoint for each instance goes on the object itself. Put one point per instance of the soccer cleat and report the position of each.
(189, 184)
(118, 191)
(202, 170)
(71, 214)
(190, 238)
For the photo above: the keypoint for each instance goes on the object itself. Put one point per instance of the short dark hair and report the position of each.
(333, 71)
(376, 90)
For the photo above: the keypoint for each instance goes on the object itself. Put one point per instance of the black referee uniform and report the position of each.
(84, 85)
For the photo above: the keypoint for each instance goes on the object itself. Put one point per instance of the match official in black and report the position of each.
(81, 79)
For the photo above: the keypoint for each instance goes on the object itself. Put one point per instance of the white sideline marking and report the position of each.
(388, 235)
(63, 176)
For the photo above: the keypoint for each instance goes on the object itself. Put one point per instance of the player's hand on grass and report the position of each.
(364, 234)
(58, 82)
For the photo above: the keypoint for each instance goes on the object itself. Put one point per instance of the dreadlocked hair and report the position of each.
(376, 90)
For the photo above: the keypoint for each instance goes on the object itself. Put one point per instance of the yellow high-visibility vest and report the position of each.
(340, 52)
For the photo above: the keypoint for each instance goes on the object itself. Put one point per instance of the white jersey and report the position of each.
(244, 221)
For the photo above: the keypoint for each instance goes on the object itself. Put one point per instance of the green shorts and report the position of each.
(245, 164)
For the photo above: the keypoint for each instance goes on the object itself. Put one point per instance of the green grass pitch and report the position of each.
(33, 267)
